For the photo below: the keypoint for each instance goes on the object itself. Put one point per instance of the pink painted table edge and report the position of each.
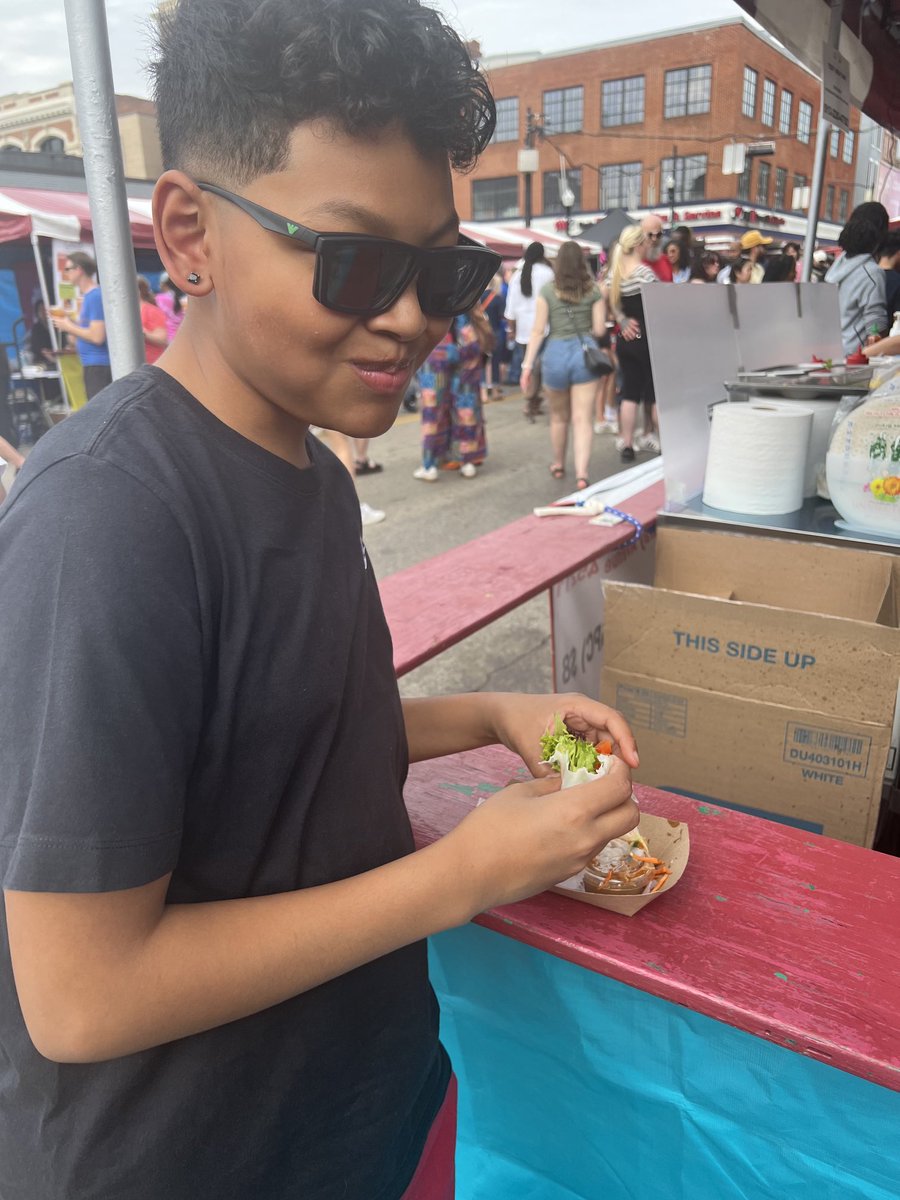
(437, 603)
(772, 930)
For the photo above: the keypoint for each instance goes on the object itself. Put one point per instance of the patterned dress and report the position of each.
(450, 399)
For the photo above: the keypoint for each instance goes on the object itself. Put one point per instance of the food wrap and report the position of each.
(578, 762)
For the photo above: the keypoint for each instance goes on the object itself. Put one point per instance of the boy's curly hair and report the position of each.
(232, 79)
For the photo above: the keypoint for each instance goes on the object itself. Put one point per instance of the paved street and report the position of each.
(424, 519)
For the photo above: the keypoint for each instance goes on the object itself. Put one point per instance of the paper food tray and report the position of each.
(668, 840)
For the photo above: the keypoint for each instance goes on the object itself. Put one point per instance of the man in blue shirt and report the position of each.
(90, 328)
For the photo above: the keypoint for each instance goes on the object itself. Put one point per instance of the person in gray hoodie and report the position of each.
(859, 279)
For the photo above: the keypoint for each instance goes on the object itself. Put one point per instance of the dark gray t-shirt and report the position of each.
(196, 677)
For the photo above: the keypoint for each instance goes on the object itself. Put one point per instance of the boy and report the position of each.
(216, 982)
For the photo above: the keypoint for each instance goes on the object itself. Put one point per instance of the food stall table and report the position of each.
(739, 1037)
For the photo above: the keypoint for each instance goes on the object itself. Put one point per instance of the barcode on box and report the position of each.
(816, 750)
(659, 711)
(839, 742)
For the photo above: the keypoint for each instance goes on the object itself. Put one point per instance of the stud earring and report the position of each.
(193, 277)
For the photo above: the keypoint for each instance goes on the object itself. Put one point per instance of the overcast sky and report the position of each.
(34, 52)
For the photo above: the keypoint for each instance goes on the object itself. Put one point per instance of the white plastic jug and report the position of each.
(863, 463)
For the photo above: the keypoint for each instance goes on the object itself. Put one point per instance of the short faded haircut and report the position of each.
(233, 79)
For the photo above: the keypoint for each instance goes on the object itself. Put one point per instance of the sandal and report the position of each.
(557, 472)
(365, 466)
(581, 483)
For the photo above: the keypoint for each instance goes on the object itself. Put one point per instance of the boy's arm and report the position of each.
(439, 725)
(107, 974)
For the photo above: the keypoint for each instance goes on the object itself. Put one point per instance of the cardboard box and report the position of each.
(761, 673)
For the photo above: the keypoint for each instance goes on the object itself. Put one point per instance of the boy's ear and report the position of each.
(179, 225)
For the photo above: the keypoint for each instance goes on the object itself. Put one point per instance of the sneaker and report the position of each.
(467, 470)
(620, 444)
(429, 474)
(648, 441)
(627, 453)
(369, 515)
(604, 427)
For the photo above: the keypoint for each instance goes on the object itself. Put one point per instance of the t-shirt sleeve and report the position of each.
(100, 681)
(91, 308)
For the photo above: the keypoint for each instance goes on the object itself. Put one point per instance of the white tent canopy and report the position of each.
(30, 221)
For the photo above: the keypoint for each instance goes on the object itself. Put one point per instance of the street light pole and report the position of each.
(670, 187)
(528, 158)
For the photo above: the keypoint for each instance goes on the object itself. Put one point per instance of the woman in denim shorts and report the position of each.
(568, 310)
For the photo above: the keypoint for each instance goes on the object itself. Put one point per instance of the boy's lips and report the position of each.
(384, 375)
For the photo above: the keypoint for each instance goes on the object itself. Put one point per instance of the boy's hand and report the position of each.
(520, 721)
(535, 834)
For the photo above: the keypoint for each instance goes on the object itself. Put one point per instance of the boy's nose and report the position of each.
(404, 319)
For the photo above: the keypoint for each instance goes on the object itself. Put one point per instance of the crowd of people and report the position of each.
(550, 308)
(528, 331)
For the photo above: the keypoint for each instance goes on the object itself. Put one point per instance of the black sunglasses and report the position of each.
(365, 276)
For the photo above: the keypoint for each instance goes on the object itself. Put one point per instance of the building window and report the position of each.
(829, 202)
(687, 91)
(553, 205)
(797, 196)
(784, 113)
(494, 199)
(623, 101)
(564, 110)
(768, 103)
(748, 98)
(834, 142)
(871, 179)
(621, 185)
(689, 173)
(743, 189)
(764, 172)
(507, 128)
(849, 139)
(804, 121)
(780, 186)
(55, 145)
(842, 210)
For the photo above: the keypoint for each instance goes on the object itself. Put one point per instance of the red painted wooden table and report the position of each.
(789, 936)
(436, 604)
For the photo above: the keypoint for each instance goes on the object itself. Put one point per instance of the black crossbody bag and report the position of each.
(596, 359)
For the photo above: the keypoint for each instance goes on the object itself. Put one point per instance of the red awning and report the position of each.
(504, 246)
(870, 41)
(76, 204)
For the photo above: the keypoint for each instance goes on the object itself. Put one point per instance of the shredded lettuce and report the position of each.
(571, 755)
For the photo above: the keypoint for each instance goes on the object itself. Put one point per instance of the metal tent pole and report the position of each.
(95, 105)
(42, 284)
(45, 296)
(822, 134)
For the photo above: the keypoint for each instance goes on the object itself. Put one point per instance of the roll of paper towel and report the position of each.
(757, 457)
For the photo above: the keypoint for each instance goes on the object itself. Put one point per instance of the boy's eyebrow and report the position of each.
(369, 219)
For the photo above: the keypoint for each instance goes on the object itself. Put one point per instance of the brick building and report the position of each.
(46, 121)
(640, 119)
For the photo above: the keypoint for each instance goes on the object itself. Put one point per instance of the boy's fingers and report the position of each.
(541, 787)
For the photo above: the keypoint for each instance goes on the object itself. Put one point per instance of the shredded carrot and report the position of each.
(604, 747)
(647, 858)
(661, 882)
(609, 876)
